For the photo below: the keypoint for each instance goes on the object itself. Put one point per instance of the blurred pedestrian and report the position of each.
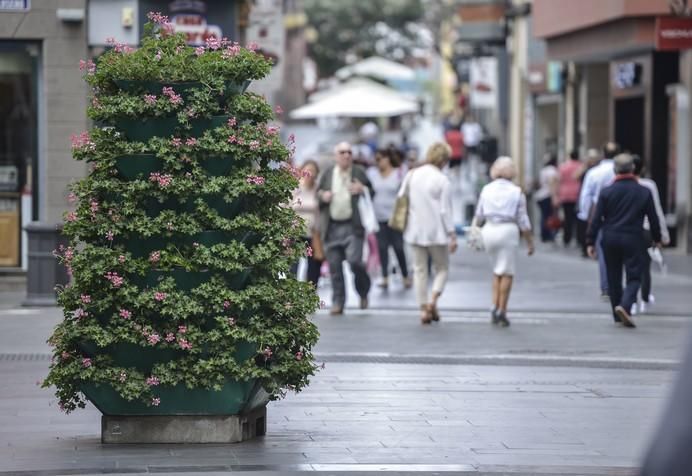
(306, 205)
(386, 180)
(472, 134)
(547, 196)
(596, 179)
(593, 157)
(340, 226)
(647, 298)
(618, 217)
(502, 212)
(568, 194)
(429, 227)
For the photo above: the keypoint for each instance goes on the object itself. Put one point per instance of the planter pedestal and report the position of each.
(173, 429)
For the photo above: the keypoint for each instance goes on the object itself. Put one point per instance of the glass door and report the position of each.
(18, 145)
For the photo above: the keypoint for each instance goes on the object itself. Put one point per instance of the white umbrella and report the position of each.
(357, 101)
(379, 68)
(357, 82)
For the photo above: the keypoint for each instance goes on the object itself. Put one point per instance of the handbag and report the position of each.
(317, 245)
(553, 222)
(366, 211)
(474, 238)
(399, 217)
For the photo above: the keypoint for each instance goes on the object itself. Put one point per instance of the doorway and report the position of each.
(629, 125)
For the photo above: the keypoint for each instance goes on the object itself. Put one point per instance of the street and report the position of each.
(562, 391)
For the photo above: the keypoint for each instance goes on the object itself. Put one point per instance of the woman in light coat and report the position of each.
(429, 227)
(502, 212)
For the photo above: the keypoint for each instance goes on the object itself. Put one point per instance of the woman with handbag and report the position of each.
(502, 212)
(386, 181)
(306, 205)
(429, 228)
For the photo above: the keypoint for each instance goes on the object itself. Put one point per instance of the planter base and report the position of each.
(184, 428)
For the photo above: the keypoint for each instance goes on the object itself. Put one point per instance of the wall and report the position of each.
(62, 95)
(594, 113)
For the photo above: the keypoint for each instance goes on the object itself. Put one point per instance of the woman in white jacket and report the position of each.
(502, 209)
(429, 227)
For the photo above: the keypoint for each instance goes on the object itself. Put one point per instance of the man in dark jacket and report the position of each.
(620, 213)
(341, 229)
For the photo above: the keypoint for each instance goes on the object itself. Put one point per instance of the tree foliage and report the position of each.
(358, 29)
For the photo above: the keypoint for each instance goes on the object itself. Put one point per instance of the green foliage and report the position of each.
(178, 259)
(350, 28)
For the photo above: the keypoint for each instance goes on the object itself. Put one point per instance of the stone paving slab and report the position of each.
(357, 418)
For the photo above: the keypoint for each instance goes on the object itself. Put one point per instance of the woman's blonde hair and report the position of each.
(438, 154)
(503, 167)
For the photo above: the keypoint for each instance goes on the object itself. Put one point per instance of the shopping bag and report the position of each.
(367, 213)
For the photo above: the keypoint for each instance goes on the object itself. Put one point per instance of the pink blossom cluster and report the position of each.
(158, 55)
(153, 381)
(172, 96)
(156, 401)
(184, 344)
(308, 251)
(94, 206)
(230, 51)
(125, 314)
(155, 256)
(159, 296)
(170, 337)
(109, 235)
(80, 313)
(182, 329)
(154, 338)
(278, 110)
(200, 50)
(88, 66)
(72, 198)
(213, 43)
(272, 130)
(254, 145)
(176, 141)
(191, 142)
(232, 122)
(226, 304)
(255, 179)
(299, 355)
(86, 362)
(252, 46)
(150, 99)
(123, 376)
(157, 18)
(231, 321)
(121, 259)
(267, 352)
(85, 298)
(118, 47)
(71, 216)
(164, 180)
(115, 280)
(83, 142)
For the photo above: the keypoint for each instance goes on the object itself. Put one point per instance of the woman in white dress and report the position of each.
(429, 227)
(502, 212)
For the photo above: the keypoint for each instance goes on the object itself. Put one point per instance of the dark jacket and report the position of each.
(325, 183)
(621, 209)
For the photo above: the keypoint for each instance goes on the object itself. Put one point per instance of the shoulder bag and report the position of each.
(400, 214)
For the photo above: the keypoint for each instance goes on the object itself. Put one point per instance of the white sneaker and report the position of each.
(633, 309)
(643, 307)
(652, 299)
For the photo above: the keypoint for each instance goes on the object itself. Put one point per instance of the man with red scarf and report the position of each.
(620, 213)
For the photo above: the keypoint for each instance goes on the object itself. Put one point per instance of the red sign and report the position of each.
(673, 33)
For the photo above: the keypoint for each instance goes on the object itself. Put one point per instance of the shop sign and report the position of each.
(14, 5)
(198, 20)
(9, 178)
(673, 33)
(484, 83)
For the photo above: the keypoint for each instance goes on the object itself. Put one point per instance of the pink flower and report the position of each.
(191, 142)
(109, 236)
(200, 50)
(272, 130)
(179, 49)
(170, 337)
(232, 122)
(184, 344)
(232, 139)
(191, 112)
(150, 99)
(71, 216)
(158, 55)
(299, 355)
(308, 251)
(176, 142)
(85, 298)
(172, 96)
(252, 46)
(231, 51)
(86, 363)
(213, 43)
(88, 66)
(255, 179)
(153, 381)
(164, 180)
(125, 314)
(231, 321)
(123, 376)
(279, 110)
(154, 338)
(71, 198)
(159, 296)
(254, 145)
(226, 304)
(157, 18)
(83, 142)
(155, 256)
(94, 206)
(110, 41)
(292, 139)
(156, 401)
(65, 355)
(115, 280)
(267, 352)
(121, 259)
(80, 313)
(182, 329)
(241, 141)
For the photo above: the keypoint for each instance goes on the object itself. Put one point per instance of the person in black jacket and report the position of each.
(620, 213)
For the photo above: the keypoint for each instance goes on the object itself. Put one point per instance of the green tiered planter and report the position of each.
(236, 398)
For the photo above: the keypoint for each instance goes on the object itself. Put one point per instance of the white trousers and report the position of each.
(440, 259)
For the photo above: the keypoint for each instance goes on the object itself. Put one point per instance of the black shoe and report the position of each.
(363, 303)
(495, 317)
(624, 316)
(502, 320)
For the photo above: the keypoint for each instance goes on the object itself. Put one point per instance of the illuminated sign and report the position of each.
(627, 75)
(189, 17)
(14, 5)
